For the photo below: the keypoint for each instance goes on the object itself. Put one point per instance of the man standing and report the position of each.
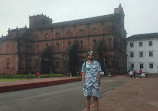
(91, 80)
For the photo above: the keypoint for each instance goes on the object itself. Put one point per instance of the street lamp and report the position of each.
(105, 65)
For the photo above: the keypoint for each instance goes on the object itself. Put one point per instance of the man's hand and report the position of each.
(99, 83)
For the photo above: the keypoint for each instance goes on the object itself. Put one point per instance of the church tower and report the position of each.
(39, 21)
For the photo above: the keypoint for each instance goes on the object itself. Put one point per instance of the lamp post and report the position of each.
(105, 65)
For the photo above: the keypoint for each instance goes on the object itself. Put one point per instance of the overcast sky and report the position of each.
(141, 16)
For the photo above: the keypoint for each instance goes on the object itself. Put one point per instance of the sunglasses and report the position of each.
(90, 52)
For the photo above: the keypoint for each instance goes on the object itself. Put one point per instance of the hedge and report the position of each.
(29, 76)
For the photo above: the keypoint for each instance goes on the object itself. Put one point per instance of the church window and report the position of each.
(8, 65)
(94, 42)
(110, 44)
(69, 43)
(58, 34)
(46, 35)
(69, 33)
(95, 30)
(37, 48)
(81, 42)
(82, 32)
(57, 45)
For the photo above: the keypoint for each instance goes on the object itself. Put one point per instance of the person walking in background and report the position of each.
(131, 73)
(102, 74)
(37, 74)
(134, 73)
(140, 72)
(91, 80)
(146, 73)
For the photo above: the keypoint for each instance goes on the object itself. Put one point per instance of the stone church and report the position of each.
(62, 47)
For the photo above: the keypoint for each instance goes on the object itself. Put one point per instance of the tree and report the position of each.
(73, 58)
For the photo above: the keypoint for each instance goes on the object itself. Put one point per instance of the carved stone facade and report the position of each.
(62, 47)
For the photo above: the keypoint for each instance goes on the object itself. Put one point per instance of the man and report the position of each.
(91, 80)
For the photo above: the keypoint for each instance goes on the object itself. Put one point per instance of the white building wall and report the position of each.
(136, 60)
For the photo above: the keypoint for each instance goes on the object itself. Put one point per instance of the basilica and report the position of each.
(48, 47)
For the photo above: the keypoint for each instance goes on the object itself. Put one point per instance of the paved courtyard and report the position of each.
(120, 93)
(140, 94)
(63, 97)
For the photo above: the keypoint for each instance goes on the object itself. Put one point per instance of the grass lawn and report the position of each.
(1, 80)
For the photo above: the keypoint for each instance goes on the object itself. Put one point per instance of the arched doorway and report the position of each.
(98, 51)
(46, 61)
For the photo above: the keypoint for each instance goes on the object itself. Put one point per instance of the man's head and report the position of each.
(90, 55)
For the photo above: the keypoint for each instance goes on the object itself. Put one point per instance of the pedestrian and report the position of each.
(134, 73)
(140, 72)
(91, 80)
(146, 73)
(131, 73)
(109, 74)
(37, 74)
(102, 74)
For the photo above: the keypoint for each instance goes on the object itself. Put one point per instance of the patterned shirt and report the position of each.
(91, 78)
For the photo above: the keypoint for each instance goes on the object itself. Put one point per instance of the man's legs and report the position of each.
(88, 102)
(96, 103)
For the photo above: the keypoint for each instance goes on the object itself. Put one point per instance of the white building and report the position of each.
(142, 52)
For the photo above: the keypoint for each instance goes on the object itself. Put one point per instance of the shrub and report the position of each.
(29, 76)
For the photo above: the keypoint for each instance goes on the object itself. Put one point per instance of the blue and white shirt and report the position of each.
(91, 86)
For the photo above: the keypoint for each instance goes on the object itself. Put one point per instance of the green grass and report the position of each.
(1, 80)
(29, 76)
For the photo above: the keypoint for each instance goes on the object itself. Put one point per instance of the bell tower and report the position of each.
(39, 21)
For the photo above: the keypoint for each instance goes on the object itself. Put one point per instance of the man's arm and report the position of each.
(99, 78)
(83, 78)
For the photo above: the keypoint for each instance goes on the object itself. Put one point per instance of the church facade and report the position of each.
(48, 47)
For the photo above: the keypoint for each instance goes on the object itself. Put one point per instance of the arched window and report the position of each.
(57, 34)
(81, 42)
(46, 35)
(68, 33)
(95, 30)
(57, 45)
(82, 32)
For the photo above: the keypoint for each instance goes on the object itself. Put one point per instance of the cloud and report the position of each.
(140, 15)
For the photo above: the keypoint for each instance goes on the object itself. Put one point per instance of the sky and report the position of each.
(141, 16)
